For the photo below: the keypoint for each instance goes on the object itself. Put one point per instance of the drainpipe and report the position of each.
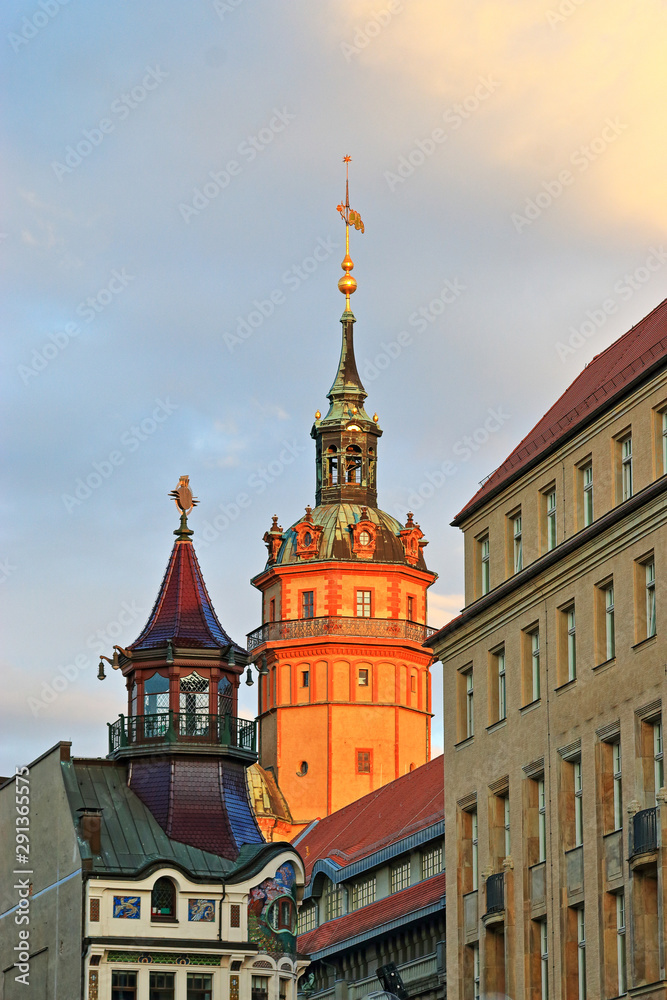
(222, 898)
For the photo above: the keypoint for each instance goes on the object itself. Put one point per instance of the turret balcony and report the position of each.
(192, 732)
(338, 626)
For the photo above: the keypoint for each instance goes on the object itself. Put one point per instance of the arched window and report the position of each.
(371, 467)
(332, 466)
(281, 915)
(193, 705)
(353, 464)
(225, 697)
(156, 695)
(163, 900)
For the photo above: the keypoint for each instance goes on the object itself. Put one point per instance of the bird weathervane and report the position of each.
(347, 284)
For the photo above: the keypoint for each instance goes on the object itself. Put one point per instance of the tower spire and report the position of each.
(347, 284)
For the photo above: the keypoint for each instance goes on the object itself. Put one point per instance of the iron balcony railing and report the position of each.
(193, 728)
(645, 831)
(305, 628)
(495, 893)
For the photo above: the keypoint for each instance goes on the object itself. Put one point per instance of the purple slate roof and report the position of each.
(183, 612)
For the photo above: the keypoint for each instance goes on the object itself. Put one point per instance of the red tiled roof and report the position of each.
(606, 377)
(183, 612)
(390, 813)
(383, 911)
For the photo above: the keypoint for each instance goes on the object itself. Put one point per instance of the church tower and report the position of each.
(344, 682)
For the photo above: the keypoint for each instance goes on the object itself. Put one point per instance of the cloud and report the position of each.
(443, 607)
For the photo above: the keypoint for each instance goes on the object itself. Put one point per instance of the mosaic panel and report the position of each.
(162, 958)
(272, 912)
(127, 907)
(201, 909)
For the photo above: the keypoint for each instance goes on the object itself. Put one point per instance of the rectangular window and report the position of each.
(581, 954)
(333, 900)
(199, 987)
(609, 626)
(474, 836)
(587, 482)
(544, 960)
(363, 677)
(497, 686)
(664, 441)
(506, 821)
(470, 707)
(650, 598)
(400, 876)
(552, 529)
(485, 578)
(363, 604)
(363, 761)
(307, 918)
(476, 973)
(517, 544)
(531, 666)
(578, 804)
(568, 645)
(308, 604)
(411, 609)
(305, 678)
(123, 985)
(541, 821)
(272, 610)
(283, 988)
(658, 759)
(431, 862)
(259, 988)
(363, 893)
(618, 786)
(626, 467)
(161, 985)
(620, 944)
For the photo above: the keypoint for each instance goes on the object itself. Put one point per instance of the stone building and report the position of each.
(375, 891)
(554, 683)
(146, 875)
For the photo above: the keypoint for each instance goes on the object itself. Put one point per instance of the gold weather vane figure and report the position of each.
(347, 284)
(183, 497)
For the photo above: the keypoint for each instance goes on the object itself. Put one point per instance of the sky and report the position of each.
(171, 248)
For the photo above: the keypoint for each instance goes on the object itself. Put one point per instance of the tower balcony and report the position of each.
(190, 732)
(338, 626)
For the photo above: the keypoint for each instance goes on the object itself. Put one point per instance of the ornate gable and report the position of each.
(413, 540)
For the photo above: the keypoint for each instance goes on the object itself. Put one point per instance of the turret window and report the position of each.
(156, 695)
(308, 604)
(332, 466)
(194, 705)
(225, 701)
(353, 464)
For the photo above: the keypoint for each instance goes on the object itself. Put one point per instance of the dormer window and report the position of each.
(364, 537)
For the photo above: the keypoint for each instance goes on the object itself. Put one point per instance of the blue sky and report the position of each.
(171, 249)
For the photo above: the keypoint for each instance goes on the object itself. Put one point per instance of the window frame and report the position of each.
(484, 564)
(587, 494)
(399, 877)
(364, 757)
(363, 600)
(550, 517)
(625, 445)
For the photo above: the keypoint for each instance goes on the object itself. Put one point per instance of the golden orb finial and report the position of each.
(347, 284)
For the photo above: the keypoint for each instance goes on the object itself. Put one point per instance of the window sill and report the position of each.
(645, 642)
(158, 921)
(605, 663)
(567, 684)
(530, 706)
(464, 743)
(496, 725)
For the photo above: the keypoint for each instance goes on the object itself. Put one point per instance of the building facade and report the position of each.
(375, 892)
(554, 687)
(344, 605)
(146, 874)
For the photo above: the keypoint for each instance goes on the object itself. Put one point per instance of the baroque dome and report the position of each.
(337, 523)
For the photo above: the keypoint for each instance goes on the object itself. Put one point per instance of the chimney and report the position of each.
(90, 825)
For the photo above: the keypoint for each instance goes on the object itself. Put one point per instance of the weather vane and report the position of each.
(347, 284)
(184, 500)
